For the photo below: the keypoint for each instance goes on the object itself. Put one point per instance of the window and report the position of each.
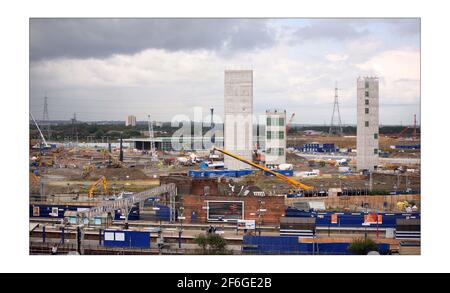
(268, 121)
(367, 102)
(366, 84)
(367, 123)
(375, 135)
(367, 94)
(367, 110)
(281, 122)
(275, 135)
(275, 151)
(375, 151)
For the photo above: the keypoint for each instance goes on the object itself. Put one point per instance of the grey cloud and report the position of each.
(405, 26)
(337, 29)
(97, 38)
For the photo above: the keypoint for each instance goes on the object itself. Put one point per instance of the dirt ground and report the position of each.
(382, 182)
(347, 141)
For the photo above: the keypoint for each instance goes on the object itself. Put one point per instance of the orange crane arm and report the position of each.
(93, 186)
(403, 131)
(276, 174)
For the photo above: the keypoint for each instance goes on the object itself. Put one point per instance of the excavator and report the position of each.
(87, 169)
(93, 187)
(116, 163)
(286, 179)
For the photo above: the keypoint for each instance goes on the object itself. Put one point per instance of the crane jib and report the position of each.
(276, 174)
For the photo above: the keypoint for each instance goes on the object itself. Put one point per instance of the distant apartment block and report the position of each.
(130, 121)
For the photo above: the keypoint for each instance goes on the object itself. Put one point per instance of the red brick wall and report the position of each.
(273, 204)
(198, 186)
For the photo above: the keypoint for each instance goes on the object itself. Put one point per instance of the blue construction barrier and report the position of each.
(125, 238)
(231, 173)
(291, 245)
(52, 211)
(57, 211)
(388, 220)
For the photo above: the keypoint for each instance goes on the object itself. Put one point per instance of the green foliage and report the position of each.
(211, 244)
(362, 246)
(201, 241)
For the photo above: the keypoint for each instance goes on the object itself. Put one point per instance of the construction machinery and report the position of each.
(44, 142)
(405, 130)
(286, 179)
(115, 162)
(87, 169)
(93, 187)
(288, 125)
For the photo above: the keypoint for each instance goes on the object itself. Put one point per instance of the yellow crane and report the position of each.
(93, 187)
(276, 174)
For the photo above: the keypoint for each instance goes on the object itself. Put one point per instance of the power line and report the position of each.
(335, 129)
(45, 119)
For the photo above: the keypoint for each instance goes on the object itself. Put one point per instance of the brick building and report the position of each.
(208, 200)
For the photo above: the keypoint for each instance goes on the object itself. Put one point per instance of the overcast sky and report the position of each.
(105, 69)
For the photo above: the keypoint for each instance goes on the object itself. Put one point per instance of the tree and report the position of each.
(201, 241)
(211, 244)
(362, 246)
(217, 244)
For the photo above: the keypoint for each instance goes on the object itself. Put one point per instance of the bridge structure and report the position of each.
(125, 204)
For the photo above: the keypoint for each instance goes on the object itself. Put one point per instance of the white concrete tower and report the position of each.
(238, 128)
(275, 137)
(367, 123)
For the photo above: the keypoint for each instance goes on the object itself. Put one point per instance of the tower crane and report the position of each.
(152, 142)
(286, 179)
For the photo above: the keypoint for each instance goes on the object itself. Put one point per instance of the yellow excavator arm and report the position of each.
(101, 180)
(276, 174)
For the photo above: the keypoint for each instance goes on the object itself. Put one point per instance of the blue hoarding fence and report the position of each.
(408, 147)
(125, 238)
(231, 173)
(319, 148)
(387, 220)
(291, 245)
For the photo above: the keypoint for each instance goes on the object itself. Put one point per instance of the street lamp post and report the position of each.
(181, 218)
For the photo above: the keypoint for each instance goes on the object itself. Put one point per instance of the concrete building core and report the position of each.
(130, 121)
(367, 131)
(238, 122)
(275, 137)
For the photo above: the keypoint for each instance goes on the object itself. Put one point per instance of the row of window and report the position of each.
(275, 134)
(275, 151)
(275, 121)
